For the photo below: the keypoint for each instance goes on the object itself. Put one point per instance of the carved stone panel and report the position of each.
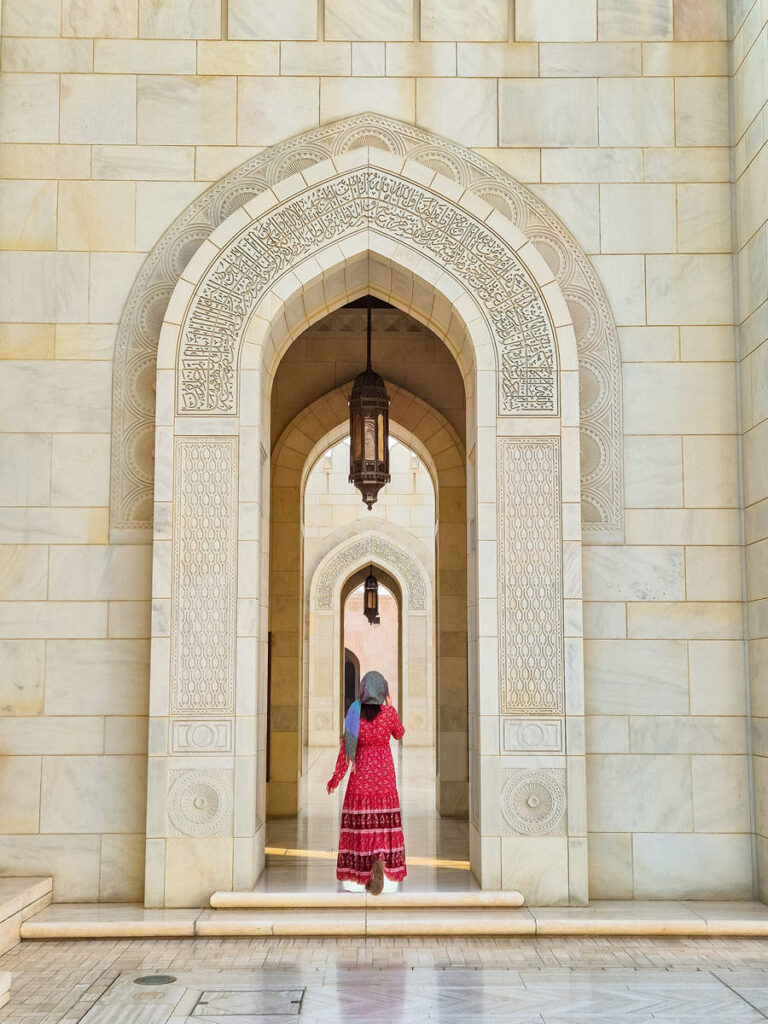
(200, 802)
(204, 581)
(530, 594)
(409, 213)
(193, 736)
(544, 735)
(533, 802)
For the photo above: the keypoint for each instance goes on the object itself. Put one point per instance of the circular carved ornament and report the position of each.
(533, 802)
(200, 803)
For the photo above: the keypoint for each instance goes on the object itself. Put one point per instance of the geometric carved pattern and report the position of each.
(204, 582)
(533, 801)
(139, 329)
(200, 802)
(530, 595)
(371, 547)
(463, 246)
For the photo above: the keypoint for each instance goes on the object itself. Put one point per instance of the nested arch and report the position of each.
(468, 176)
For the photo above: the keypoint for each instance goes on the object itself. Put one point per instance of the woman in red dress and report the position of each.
(371, 841)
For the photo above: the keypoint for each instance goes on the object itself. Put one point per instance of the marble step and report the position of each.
(20, 898)
(5, 987)
(662, 917)
(273, 900)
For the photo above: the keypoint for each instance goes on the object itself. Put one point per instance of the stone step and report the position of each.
(20, 898)
(272, 900)
(663, 917)
(5, 987)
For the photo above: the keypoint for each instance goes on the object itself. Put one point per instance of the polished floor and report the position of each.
(325, 981)
(301, 851)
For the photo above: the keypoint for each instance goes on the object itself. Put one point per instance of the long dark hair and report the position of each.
(370, 712)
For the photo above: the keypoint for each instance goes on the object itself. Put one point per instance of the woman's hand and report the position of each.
(388, 700)
(329, 788)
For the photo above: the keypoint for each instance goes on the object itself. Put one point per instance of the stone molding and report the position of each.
(139, 328)
(358, 550)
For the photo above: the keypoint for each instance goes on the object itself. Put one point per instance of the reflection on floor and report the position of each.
(301, 851)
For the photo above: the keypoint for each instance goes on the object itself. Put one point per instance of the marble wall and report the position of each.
(619, 114)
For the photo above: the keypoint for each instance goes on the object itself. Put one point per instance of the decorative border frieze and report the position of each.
(370, 547)
(201, 736)
(530, 584)
(204, 581)
(533, 801)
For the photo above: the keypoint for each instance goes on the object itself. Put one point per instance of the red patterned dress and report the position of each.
(371, 827)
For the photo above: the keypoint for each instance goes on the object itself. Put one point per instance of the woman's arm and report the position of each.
(339, 771)
(398, 729)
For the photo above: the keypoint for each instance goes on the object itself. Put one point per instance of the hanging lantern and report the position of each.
(371, 599)
(369, 430)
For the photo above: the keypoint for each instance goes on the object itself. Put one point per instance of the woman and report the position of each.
(371, 840)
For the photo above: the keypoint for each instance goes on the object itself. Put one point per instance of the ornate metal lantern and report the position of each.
(371, 599)
(369, 430)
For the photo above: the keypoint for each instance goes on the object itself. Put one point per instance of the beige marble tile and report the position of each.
(684, 59)
(195, 868)
(637, 112)
(23, 572)
(619, 20)
(98, 109)
(238, 57)
(54, 396)
(19, 794)
(578, 206)
(186, 111)
(93, 794)
(522, 164)
(104, 572)
(122, 869)
(180, 19)
(653, 472)
(503, 60)
(638, 792)
(605, 619)
(606, 734)
(44, 735)
(701, 112)
(546, 113)
(590, 60)
(665, 734)
(623, 278)
(312, 58)
(129, 619)
(29, 108)
(26, 459)
(85, 342)
(720, 794)
(368, 59)
(700, 19)
(674, 866)
(158, 203)
(145, 56)
(111, 18)
(600, 165)
(632, 573)
(635, 677)
(21, 682)
(713, 573)
(40, 619)
(610, 866)
(270, 110)
(426, 59)
(542, 21)
(369, 19)
(695, 164)
(18, 160)
(97, 677)
(31, 18)
(704, 218)
(28, 214)
(74, 860)
(47, 54)
(96, 215)
(693, 620)
(682, 526)
(689, 289)
(691, 397)
(486, 21)
(294, 19)
(111, 277)
(64, 298)
(26, 341)
(537, 867)
(637, 218)
(342, 97)
(717, 670)
(80, 469)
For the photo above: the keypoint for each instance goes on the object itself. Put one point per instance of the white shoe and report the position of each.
(389, 885)
(353, 887)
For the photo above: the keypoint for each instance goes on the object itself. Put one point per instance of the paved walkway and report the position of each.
(417, 981)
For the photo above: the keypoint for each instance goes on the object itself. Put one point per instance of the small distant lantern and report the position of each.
(369, 430)
(371, 599)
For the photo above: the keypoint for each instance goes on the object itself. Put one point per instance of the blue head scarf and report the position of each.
(373, 690)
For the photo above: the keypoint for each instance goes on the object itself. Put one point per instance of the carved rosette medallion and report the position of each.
(533, 802)
(204, 580)
(530, 598)
(371, 547)
(411, 214)
(200, 802)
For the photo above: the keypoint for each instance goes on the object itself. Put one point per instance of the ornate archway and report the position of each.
(368, 222)
(133, 403)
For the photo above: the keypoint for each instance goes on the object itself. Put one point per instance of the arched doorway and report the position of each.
(401, 233)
